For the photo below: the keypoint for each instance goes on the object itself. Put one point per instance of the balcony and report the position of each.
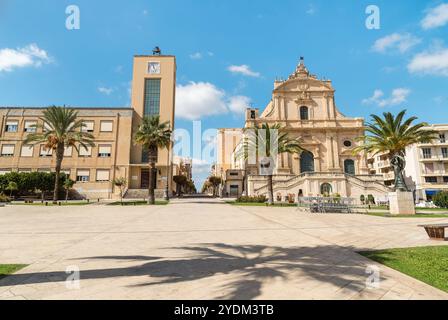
(434, 158)
(435, 173)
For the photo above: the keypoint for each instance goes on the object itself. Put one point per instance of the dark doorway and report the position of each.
(349, 166)
(144, 179)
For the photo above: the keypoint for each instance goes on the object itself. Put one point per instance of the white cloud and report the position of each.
(433, 62)
(436, 17)
(239, 104)
(396, 42)
(196, 56)
(198, 99)
(105, 90)
(243, 69)
(311, 10)
(202, 99)
(29, 56)
(397, 97)
(201, 166)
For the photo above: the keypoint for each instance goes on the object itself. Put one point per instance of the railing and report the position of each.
(327, 204)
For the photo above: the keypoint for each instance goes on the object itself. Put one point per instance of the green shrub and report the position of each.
(362, 198)
(256, 199)
(370, 199)
(441, 199)
(4, 198)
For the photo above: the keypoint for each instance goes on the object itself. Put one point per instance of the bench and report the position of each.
(435, 231)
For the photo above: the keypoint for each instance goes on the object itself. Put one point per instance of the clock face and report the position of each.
(153, 67)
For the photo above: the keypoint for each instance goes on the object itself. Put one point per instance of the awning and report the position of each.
(432, 192)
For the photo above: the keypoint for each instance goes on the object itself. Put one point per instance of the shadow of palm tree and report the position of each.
(251, 265)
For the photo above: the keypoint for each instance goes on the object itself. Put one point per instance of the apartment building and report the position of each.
(426, 171)
(380, 164)
(114, 154)
(427, 165)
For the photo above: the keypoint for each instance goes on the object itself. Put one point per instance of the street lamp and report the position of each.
(166, 195)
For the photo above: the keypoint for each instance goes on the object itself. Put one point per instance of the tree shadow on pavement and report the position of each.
(249, 266)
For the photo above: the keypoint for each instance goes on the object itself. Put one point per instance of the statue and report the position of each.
(398, 163)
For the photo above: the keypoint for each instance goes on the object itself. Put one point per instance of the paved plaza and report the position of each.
(202, 249)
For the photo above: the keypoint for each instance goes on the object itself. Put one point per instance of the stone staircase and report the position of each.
(362, 181)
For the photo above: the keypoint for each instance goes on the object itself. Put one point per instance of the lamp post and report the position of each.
(166, 195)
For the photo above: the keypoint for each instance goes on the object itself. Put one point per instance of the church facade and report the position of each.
(305, 107)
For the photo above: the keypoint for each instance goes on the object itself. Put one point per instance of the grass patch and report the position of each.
(138, 203)
(432, 209)
(51, 204)
(427, 264)
(256, 204)
(418, 215)
(6, 269)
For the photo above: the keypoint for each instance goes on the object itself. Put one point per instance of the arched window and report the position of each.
(306, 162)
(304, 113)
(349, 166)
(326, 189)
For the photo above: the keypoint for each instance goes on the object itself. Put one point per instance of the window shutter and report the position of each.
(30, 125)
(85, 152)
(88, 126)
(8, 149)
(102, 175)
(27, 151)
(106, 126)
(68, 151)
(12, 123)
(84, 173)
(45, 152)
(104, 149)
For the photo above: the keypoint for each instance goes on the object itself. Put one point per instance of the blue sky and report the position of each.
(228, 51)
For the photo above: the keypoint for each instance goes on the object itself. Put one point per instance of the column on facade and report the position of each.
(327, 104)
(335, 153)
(331, 107)
(329, 153)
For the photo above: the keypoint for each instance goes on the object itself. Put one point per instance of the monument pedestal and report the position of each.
(401, 202)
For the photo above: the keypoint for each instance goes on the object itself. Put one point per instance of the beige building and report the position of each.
(114, 154)
(305, 106)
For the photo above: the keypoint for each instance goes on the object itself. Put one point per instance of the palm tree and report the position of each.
(392, 134)
(153, 135)
(181, 182)
(11, 187)
(61, 128)
(215, 181)
(68, 185)
(268, 141)
(120, 183)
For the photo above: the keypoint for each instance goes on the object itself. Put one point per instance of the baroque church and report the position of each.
(305, 107)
